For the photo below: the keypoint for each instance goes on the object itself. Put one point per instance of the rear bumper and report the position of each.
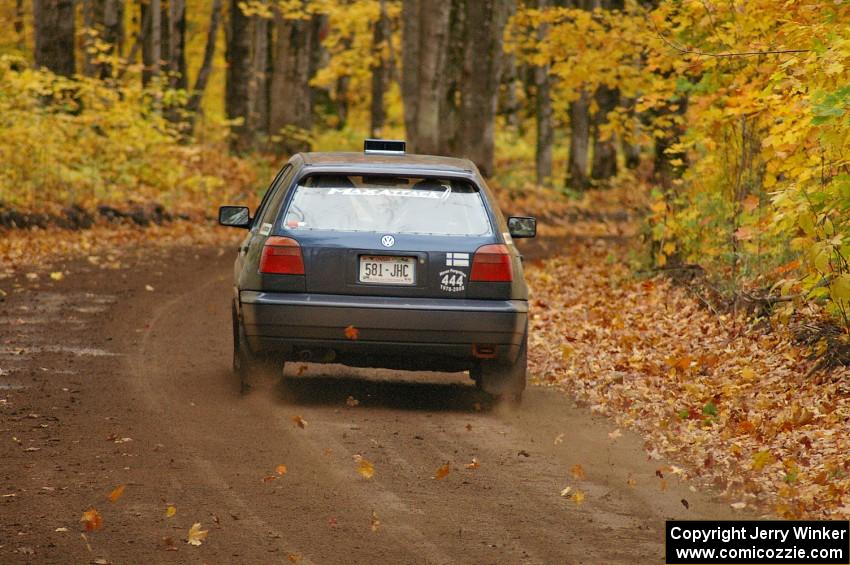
(425, 332)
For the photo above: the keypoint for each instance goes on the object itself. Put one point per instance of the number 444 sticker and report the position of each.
(452, 280)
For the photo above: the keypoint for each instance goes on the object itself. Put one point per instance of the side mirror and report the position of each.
(522, 226)
(234, 216)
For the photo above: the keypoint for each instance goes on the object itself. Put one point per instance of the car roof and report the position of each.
(388, 161)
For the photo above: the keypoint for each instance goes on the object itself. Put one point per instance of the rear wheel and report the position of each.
(504, 381)
(248, 366)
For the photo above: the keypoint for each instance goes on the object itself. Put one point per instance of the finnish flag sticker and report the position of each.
(457, 259)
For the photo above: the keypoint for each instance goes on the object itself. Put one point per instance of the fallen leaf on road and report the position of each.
(616, 434)
(301, 370)
(196, 534)
(293, 557)
(117, 493)
(375, 522)
(566, 491)
(269, 478)
(577, 471)
(332, 522)
(469, 427)
(738, 505)
(352, 333)
(92, 520)
(169, 544)
(148, 288)
(578, 497)
(351, 401)
(559, 439)
(473, 465)
(631, 482)
(443, 471)
(57, 275)
(364, 467)
(170, 512)
(685, 504)
(280, 469)
(61, 530)
(299, 421)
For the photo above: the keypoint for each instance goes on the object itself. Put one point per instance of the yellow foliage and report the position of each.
(759, 90)
(82, 142)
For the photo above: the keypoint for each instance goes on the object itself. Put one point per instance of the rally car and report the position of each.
(381, 259)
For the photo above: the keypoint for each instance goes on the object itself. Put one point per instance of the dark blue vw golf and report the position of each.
(381, 259)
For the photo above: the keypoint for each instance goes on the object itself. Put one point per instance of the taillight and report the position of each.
(282, 256)
(492, 263)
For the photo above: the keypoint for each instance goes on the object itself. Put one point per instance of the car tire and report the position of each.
(248, 366)
(504, 382)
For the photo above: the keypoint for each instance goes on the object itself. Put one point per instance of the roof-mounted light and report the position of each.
(385, 146)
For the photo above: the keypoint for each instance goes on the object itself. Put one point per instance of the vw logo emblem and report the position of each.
(388, 241)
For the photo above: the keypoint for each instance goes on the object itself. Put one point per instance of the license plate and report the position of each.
(380, 269)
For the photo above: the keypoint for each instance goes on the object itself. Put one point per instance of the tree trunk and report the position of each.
(54, 35)
(342, 101)
(20, 36)
(604, 164)
(511, 106)
(194, 105)
(579, 137)
(543, 115)
(380, 72)
(410, 66)
(151, 40)
(631, 150)
(238, 91)
(433, 40)
(665, 172)
(103, 19)
(259, 122)
(487, 20)
(177, 44)
(452, 83)
(290, 108)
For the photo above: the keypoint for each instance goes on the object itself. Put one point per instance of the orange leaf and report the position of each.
(92, 520)
(280, 469)
(443, 471)
(473, 465)
(352, 333)
(117, 493)
(375, 522)
(577, 471)
(299, 421)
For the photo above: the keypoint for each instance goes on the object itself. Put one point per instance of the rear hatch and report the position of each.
(388, 235)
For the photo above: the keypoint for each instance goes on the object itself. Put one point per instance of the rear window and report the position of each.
(387, 204)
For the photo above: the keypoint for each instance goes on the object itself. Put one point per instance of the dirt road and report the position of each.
(105, 383)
